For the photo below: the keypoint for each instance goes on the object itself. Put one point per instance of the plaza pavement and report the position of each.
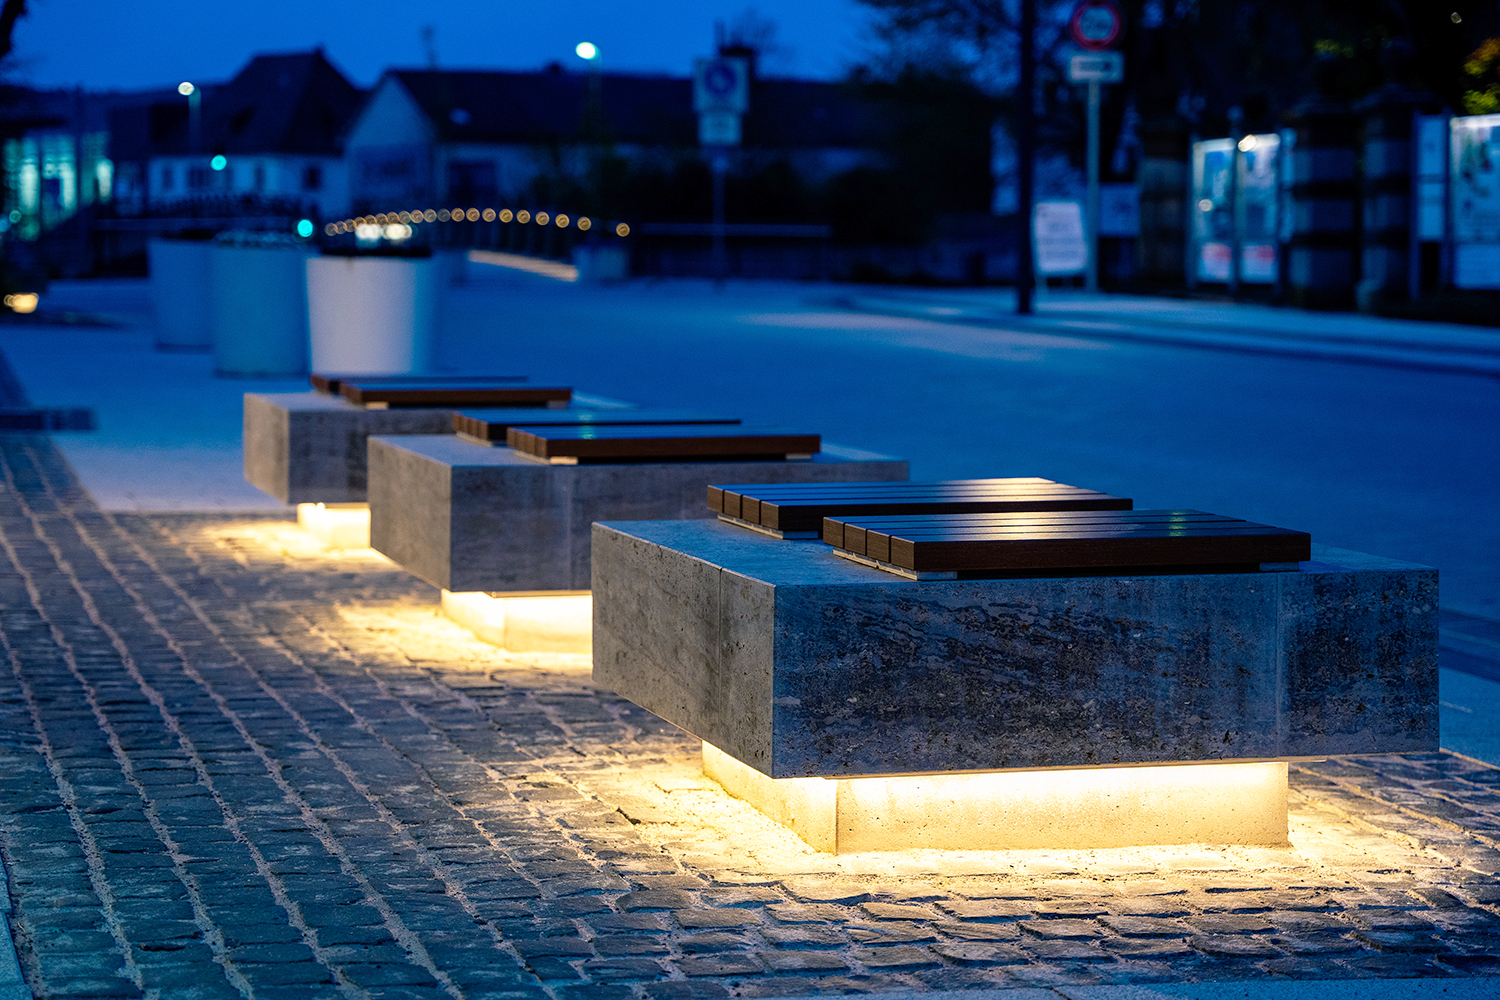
(236, 764)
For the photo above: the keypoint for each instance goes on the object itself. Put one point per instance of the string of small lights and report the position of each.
(582, 223)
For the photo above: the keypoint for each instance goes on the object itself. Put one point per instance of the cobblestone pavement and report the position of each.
(236, 764)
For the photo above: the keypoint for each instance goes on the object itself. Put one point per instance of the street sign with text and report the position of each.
(1096, 67)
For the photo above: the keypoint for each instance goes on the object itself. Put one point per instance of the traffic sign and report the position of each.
(721, 85)
(1096, 24)
(719, 128)
(1096, 67)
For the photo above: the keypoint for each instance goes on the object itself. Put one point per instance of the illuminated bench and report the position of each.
(502, 520)
(309, 447)
(1050, 650)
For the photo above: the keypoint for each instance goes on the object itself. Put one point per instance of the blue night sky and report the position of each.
(105, 44)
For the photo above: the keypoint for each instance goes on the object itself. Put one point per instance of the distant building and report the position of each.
(476, 137)
(271, 135)
(55, 157)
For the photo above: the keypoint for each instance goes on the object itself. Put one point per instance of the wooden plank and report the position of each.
(1096, 539)
(805, 506)
(690, 443)
(331, 383)
(491, 425)
(429, 393)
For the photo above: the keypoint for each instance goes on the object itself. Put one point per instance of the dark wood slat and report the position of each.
(439, 394)
(1066, 540)
(491, 425)
(803, 507)
(688, 442)
(331, 384)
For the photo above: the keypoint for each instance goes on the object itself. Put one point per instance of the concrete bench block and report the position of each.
(466, 517)
(801, 664)
(306, 447)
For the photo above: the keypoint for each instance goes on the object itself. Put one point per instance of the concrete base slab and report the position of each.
(802, 664)
(1084, 809)
(466, 517)
(526, 623)
(336, 525)
(305, 447)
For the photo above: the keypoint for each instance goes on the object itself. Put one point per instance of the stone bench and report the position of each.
(847, 701)
(468, 517)
(309, 447)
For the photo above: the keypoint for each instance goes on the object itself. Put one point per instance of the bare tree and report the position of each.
(11, 12)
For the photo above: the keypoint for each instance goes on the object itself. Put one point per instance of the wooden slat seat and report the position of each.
(469, 393)
(331, 383)
(679, 443)
(1109, 539)
(491, 425)
(801, 507)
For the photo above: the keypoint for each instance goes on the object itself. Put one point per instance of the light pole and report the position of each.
(1025, 150)
(195, 117)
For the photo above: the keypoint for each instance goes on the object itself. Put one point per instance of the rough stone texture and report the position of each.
(465, 516)
(235, 764)
(307, 447)
(801, 664)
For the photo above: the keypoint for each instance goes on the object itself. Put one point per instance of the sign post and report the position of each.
(1095, 26)
(721, 94)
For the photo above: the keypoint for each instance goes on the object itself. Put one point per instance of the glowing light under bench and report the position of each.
(336, 525)
(546, 622)
(1076, 809)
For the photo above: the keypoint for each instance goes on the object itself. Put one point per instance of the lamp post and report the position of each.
(1025, 151)
(195, 117)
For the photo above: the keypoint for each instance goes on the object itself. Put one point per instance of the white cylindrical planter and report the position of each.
(259, 310)
(371, 315)
(180, 293)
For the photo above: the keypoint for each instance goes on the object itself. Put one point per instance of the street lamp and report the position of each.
(194, 95)
(587, 51)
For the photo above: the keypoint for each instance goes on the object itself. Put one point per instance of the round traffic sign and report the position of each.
(721, 79)
(1096, 24)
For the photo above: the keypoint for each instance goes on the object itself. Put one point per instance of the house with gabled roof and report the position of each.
(435, 137)
(272, 133)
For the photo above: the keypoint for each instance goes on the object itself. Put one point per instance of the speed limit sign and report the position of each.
(1096, 24)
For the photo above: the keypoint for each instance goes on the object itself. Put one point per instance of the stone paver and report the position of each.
(236, 764)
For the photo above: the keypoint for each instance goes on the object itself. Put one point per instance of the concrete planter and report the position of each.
(180, 293)
(259, 309)
(372, 315)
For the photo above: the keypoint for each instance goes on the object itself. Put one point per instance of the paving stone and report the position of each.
(684, 991)
(1144, 926)
(801, 961)
(1234, 946)
(1218, 924)
(804, 936)
(729, 917)
(703, 943)
(722, 964)
(985, 909)
(1062, 928)
(797, 913)
(655, 899)
(826, 892)
(894, 911)
(897, 957)
(982, 954)
(978, 931)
